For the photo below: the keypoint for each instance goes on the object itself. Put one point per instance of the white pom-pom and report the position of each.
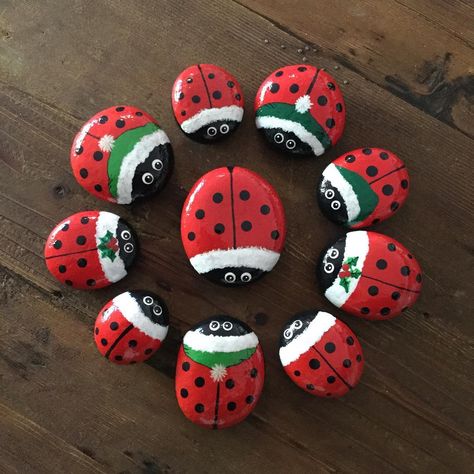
(303, 104)
(106, 143)
(218, 372)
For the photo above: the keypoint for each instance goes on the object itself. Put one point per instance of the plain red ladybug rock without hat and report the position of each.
(207, 102)
(369, 275)
(233, 226)
(90, 249)
(219, 372)
(131, 327)
(122, 154)
(321, 354)
(300, 110)
(363, 187)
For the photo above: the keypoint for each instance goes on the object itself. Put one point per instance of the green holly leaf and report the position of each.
(107, 253)
(352, 261)
(345, 282)
(105, 250)
(106, 238)
(355, 273)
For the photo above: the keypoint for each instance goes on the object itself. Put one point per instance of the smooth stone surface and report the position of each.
(363, 187)
(90, 250)
(131, 327)
(300, 109)
(233, 226)
(321, 354)
(122, 154)
(369, 275)
(219, 373)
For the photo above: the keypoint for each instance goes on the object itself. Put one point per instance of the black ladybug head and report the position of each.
(152, 306)
(222, 326)
(234, 276)
(296, 326)
(330, 263)
(287, 142)
(331, 202)
(127, 242)
(214, 131)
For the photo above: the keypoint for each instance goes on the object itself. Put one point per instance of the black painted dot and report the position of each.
(98, 188)
(103, 342)
(395, 295)
(253, 373)
(79, 150)
(330, 347)
(217, 198)
(191, 236)
(314, 364)
(384, 155)
(391, 247)
(181, 96)
(381, 264)
(297, 373)
(322, 100)
(200, 214)
(98, 155)
(231, 406)
(350, 158)
(82, 262)
(189, 80)
(211, 75)
(196, 99)
(404, 183)
(148, 351)
(265, 210)
(338, 107)
(405, 271)
(350, 341)
(84, 220)
(219, 228)
(229, 383)
(410, 256)
(184, 393)
(96, 331)
(230, 84)
(57, 244)
(246, 226)
(199, 382)
(68, 282)
(330, 123)
(279, 73)
(385, 311)
(81, 240)
(365, 310)
(217, 95)
(310, 386)
(346, 363)
(244, 195)
(114, 325)
(185, 366)
(65, 227)
(373, 291)
(367, 151)
(62, 268)
(358, 358)
(139, 114)
(118, 358)
(331, 86)
(418, 278)
(183, 113)
(90, 282)
(84, 173)
(199, 407)
(249, 399)
(331, 379)
(301, 69)
(103, 119)
(394, 206)
(274, 88)
(371, 171)
(294, 88)
(237, 96)
(375, 221)
(132, 343)
(387, 190)
(275, 234)
(120, 109)
(120, 123)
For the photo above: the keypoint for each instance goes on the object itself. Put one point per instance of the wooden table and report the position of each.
(406, 71)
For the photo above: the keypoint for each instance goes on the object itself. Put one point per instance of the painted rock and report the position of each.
(363, 187)
(207, 102)
(369, 275)
(233, 226)
(321, 354)
(90, 250)
(121, 154)
(219, 373)
(131, 327)
(300, 109)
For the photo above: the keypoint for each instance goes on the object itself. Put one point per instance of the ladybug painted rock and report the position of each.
(90, 250)
(131, 327)
(121, 154)
(369, 275)
(363, 187)
(219, 373)
(233, 226)
(207, 102)
(300, 109)
(321, 354)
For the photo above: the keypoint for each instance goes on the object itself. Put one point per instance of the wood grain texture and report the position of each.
(64, 408)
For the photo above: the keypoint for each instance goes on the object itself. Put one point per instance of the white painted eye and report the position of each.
(157, 310)
(157, 165)
(333, 253)
(288, 333)
(125, 235)
(128, 247)
(214, 326)
(298, 324)
(230, 277)
(212, 131)
(224, 128)
(148, 178)
(329, 267)
(148, 300)
(278, 138)
(336, 205)
(290, 144)
(329, 194)
(227, 326)
(246, 277)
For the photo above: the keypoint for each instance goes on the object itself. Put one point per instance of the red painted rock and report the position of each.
(369, 275)
(300, 109)
(321, 354)
(207, 102)
(131, 327)
(90, 250)
(363, 187)
(121, 154)
(219, 373)
(233, 226)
